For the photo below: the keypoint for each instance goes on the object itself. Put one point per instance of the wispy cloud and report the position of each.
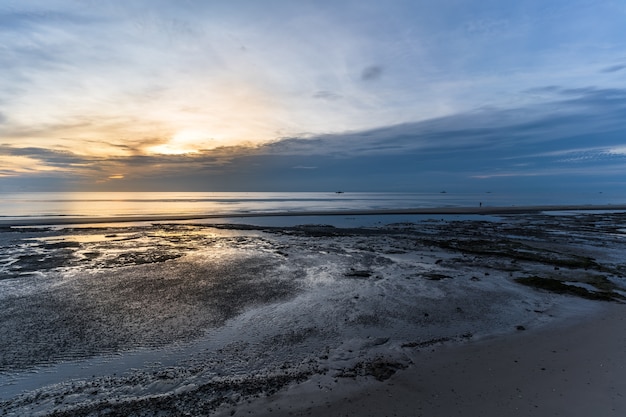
(327, 95)
(614, 68)
(618, 150)
(574, 172)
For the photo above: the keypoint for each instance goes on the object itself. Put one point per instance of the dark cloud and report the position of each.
(573, 112)
(371, 73)
(46, 156)
(494, 148)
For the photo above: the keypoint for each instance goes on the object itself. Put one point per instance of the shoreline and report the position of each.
(495, 210)
(573, 367)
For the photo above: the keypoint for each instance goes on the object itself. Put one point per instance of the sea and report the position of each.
(42, 207)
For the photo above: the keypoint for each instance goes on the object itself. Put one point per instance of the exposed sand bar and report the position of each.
(37, 221)
(575, 369)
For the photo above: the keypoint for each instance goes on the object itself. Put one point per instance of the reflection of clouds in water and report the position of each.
(137, 300)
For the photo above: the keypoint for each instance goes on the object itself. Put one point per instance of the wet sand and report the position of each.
(221, 319)
(575, 369)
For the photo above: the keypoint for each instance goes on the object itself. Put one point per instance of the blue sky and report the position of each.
(312, 95)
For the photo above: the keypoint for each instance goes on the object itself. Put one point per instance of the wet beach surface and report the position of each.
(197, 318)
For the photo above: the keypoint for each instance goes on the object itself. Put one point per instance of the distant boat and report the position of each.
(444, 192)
(338, 192)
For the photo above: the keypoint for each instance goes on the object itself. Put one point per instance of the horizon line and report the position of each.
(484, 210)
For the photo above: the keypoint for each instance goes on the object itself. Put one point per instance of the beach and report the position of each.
(575, 368)
(423, 317)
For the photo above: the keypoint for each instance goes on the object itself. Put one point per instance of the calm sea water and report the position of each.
(103, 204)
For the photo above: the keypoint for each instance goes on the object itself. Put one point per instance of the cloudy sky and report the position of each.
(315, 95)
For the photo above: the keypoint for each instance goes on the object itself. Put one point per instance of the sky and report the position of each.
(313, 95)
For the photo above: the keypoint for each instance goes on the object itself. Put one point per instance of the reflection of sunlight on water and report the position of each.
(177, 234)
(101, 248)
(19, 207)
(87, 238)
(131, 204)
(112, 204)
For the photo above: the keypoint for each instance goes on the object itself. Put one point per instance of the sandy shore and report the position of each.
(485, 210)
(575, 369)
(408, 318)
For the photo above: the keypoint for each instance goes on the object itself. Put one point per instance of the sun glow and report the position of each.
(184, 142)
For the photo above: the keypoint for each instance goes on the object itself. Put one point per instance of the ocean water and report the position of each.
(19, 206)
